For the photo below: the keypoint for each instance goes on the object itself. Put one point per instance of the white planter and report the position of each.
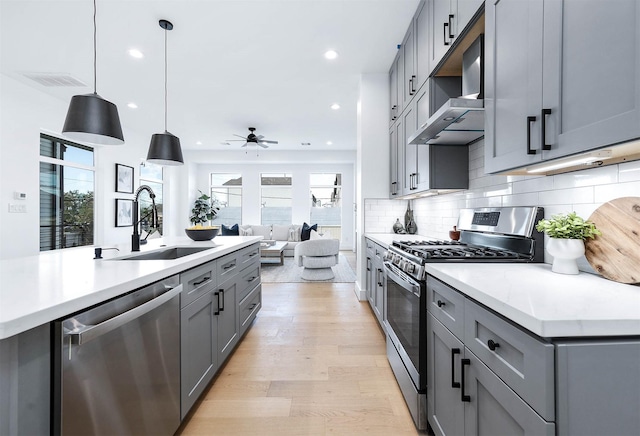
(565, 253)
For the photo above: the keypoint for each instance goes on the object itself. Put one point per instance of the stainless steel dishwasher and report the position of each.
(117, 365)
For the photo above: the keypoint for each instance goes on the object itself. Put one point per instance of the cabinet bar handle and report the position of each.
(378, 277)
(217, 294)
(226, 267)
(545, 112)
(368, 261)
(440, 303)
(454, 383)
(463, 397)
(492, 345)
(222, 294)
(413, 89)
(201, 281)
(451, 35)
(529, 121)
(444, 36)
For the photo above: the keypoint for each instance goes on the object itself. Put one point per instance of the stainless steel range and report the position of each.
(486, 235)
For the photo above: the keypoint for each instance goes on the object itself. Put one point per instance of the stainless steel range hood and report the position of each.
(460, 120)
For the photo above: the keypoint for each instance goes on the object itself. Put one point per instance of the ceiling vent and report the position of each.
(54, 79)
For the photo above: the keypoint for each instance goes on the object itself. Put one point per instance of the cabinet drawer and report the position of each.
(446, 305)
(370, 247)
(197, 281)
(249, 308)
(523, 362)
(247, 280)
(227, 267)
(249, 255)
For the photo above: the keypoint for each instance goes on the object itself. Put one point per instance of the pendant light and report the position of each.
(165, 147)
(91, 118)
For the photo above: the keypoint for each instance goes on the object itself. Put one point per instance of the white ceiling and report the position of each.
(232, 63)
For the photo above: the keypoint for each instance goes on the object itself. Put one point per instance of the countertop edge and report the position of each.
(165, 268)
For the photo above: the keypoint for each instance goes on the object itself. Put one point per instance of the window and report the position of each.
(326, 203)
(275, 198)
(152, 176)
(226, 193)
(66, 194)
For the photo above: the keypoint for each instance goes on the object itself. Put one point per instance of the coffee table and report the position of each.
(273, 253)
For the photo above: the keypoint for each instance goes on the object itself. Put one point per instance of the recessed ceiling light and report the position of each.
(331, 54)
(132, 105)
(329, 143)
(305, 143)
(335, 106)
(135, 53)
(198, 142)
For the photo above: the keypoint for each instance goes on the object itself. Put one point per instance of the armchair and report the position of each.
(317, 256)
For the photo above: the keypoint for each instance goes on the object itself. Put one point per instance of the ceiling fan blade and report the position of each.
(243, 145)
(266, 141)
(260, 136)
(236, 140)
(262, 145)
(243, 137)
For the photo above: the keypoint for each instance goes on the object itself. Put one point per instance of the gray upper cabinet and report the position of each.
(408, 57)
(410, 124)
(394, 109)
(591, 74)
(448, 19)
(562, 77)
(421, 27)
(395, 158)
(513, 83)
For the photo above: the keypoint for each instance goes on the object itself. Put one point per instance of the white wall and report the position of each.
(25, 112)
(372, 167)
(298, 164)
(580, 191)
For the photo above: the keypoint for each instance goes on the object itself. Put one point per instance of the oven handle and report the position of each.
(404, 282)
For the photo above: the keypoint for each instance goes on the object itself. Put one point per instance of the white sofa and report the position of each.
(284, 233)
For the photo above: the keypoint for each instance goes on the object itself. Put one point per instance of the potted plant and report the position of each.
(204, 210)
(568, 233)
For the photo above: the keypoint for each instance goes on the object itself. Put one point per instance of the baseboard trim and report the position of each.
(361, 294)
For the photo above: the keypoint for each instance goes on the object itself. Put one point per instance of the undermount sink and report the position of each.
(166, 254)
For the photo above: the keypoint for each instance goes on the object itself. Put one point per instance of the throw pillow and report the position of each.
(230, 231)
(280, 232)
(306, 231)
(246, 232)
(315, 235)
(294, 233)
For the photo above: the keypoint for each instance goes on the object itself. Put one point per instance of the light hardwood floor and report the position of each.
(313, 363)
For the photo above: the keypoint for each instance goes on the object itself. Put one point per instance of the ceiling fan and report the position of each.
(253, 139)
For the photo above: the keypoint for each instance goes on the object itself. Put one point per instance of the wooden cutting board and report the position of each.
(616, 254)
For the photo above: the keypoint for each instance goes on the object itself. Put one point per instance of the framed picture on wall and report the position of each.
(124, 212)
(124, 179)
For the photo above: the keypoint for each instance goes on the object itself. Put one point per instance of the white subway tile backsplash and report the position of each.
(527, 199)
(592, 177)
(533, 185)
(562, 196)
(606, 193)
(629, 171)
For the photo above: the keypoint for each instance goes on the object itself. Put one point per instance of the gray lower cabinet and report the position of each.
(488, 376)
(375, 281)
(219, 304)
(199, 349)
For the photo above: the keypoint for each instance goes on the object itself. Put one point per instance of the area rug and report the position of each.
(290, 272)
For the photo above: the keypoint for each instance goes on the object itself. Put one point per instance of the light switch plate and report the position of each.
(17, 208)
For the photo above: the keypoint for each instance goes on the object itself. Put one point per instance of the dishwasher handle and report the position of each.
(90, 332)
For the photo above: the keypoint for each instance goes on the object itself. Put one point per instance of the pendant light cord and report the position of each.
(95, 51)
(165, 80)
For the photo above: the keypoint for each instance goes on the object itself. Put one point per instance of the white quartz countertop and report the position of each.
(547, 304)
(38, 289)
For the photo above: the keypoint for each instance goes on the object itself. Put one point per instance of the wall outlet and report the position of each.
(17, 208)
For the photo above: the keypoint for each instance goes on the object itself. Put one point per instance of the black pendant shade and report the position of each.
(94, 120)
(165, 149)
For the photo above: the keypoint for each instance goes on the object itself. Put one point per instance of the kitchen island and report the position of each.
(37, 290)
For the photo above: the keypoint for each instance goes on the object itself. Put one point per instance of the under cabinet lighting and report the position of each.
(590, 158)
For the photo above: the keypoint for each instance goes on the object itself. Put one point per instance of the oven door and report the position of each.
(406, 322)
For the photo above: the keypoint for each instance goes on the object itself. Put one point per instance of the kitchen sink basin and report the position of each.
(166, 253)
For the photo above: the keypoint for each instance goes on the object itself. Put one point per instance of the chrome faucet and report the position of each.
(135, 238)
